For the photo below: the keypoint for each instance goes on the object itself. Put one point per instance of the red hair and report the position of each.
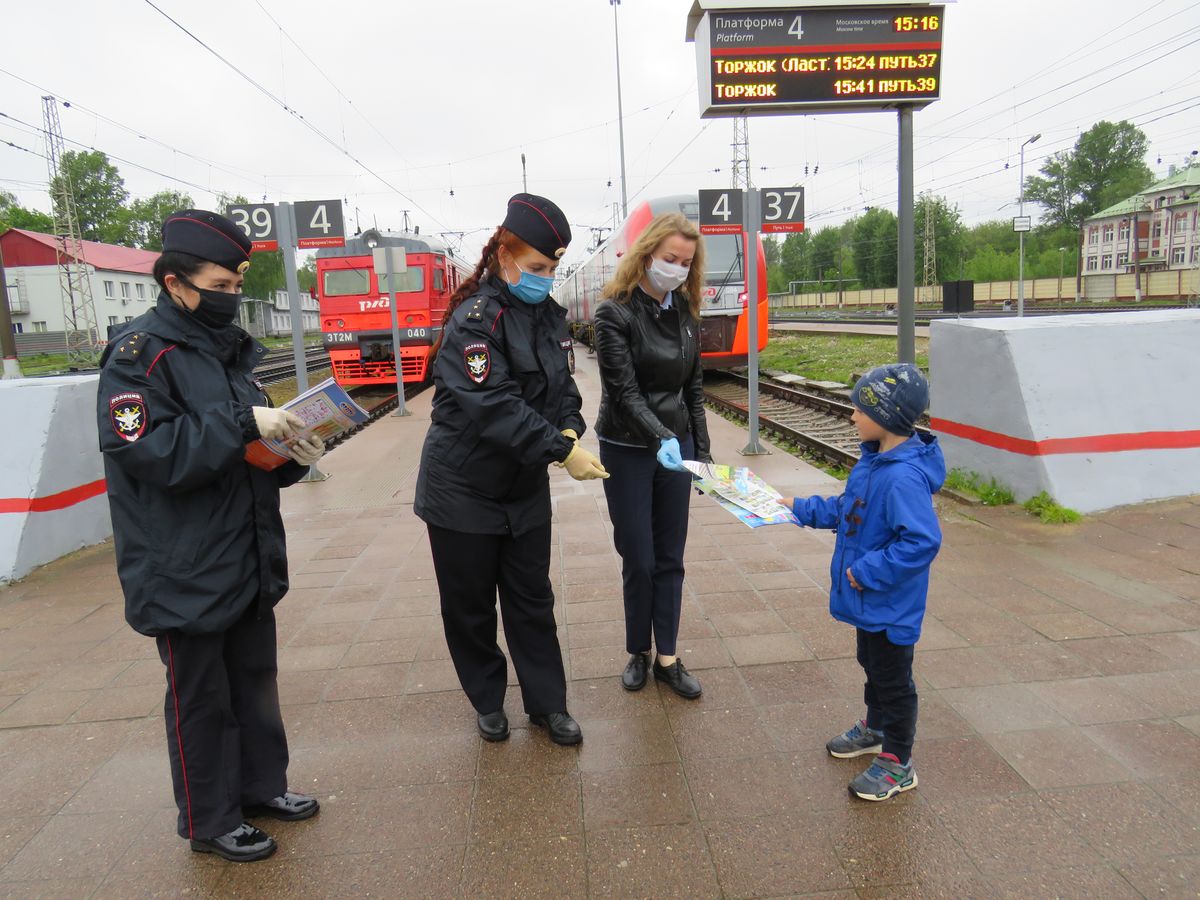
(489, 264)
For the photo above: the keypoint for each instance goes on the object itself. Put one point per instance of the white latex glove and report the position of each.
(307, 451)
(276, 424)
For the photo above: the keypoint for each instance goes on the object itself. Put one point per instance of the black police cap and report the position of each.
(539, 223)
(209, 236)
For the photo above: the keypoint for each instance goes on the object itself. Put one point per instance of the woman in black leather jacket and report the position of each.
(651, 419)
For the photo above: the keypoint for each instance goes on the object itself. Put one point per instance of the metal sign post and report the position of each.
(753, 218)
(287, 243)
(393, 261)
(906, 324)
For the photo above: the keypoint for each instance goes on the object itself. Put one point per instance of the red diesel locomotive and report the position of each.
(724, 321)
(356, 321)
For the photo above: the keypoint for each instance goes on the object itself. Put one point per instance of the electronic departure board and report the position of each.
(821, 59)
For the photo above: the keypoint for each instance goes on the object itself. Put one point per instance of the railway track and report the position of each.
(378, 402)
(819, 424)
(281, 366)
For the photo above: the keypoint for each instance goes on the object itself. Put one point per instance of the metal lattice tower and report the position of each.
(929, 278)
(74, 280)
(741, 154)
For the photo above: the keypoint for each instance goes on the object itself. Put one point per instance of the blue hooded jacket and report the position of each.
(887, 535)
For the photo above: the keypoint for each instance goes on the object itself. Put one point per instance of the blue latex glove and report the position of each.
(669, 456)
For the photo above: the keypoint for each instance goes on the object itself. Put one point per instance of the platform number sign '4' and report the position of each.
(721, 211)
(319, 223)
(782, 209)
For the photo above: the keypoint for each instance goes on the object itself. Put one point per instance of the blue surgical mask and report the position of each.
(531, 289)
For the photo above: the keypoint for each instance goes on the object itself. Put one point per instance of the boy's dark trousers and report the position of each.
(890, 694)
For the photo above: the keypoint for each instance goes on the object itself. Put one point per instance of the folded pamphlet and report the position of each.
(327, 411)
(746, 496)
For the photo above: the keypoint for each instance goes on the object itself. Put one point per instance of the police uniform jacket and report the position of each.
(652, 383)
(503, 392)
(197, 529)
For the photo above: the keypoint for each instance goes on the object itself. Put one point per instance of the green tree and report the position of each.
(147, 216)
(13, 215)
(795, 257)
(100, 196)
(307, 275)
(1107, 164)
(874, 247)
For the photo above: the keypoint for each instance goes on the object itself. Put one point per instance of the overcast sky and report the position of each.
(444, 96)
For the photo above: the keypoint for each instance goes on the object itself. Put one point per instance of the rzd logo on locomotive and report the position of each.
(382, 303)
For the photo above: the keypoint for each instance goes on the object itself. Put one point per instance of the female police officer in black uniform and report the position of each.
(504, 406)
(199, 539)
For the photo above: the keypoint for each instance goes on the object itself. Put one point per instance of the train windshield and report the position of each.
(357, 282)
(724, 259)
(347, 282)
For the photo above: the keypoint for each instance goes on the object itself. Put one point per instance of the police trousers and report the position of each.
(471, 570)
(225, 733)
(648, 506)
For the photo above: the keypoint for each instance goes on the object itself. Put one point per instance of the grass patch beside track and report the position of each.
(283, 391)
(833, 357)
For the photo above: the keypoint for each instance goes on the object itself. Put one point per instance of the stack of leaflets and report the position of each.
(327, 411)
(741, 492)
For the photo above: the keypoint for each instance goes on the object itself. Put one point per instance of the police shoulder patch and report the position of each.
(476, 313)
(131, 348)
(127, 412)
(478, 361)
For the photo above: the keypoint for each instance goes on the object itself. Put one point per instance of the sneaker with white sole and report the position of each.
(858, 741)
(884, 778)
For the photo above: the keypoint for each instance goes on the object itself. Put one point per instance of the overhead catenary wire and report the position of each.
(295, 113)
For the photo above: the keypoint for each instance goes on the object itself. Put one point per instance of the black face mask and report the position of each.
(217, 309)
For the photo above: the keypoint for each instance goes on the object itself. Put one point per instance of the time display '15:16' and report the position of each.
(916, 23)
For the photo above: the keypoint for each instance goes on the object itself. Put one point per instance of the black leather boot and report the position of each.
(244, 844)
(636, 671)
(678, 679)
(562, 728)
(493, 726)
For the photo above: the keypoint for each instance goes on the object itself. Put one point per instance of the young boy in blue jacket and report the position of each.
(887, 537)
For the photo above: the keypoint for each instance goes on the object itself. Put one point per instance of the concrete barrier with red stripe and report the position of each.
(52, 495)
(1097, 410)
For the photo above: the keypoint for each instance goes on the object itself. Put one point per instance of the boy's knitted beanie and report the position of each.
(893, 395)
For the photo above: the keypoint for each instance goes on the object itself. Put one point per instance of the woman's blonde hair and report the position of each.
(633, 264)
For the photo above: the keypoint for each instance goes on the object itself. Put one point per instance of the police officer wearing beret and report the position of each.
(505, 405)
(198, 534)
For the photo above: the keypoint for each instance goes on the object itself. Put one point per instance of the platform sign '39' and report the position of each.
(318, 223)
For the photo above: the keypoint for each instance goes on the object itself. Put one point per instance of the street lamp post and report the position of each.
(1021, 240)
(620, 114)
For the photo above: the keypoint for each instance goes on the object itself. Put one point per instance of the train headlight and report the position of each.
(341, 323)
(742, 297)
